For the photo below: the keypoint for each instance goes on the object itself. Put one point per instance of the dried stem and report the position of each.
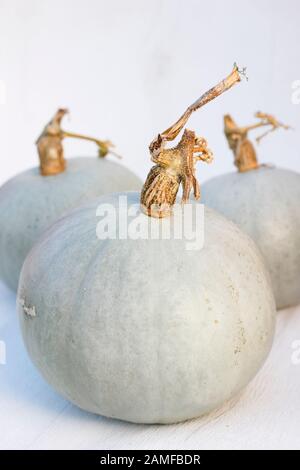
(176, 166)
(105, 146)
(245, 157)
(51, 150)
(269, 120)
(172, 132)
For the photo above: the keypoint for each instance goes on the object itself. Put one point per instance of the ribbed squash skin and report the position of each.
(145, 330)
(30, 203)
(265, 203)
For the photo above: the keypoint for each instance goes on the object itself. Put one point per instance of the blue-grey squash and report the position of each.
(264, 202)
(145, 330)
(34, 199)
(124, 318)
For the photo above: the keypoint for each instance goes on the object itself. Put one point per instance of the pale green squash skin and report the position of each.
(30, 203)
(144, 330)
(265, 203)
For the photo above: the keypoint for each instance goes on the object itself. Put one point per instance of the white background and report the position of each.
(127, 69)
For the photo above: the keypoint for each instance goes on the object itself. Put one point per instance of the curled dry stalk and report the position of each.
(245, 157)
(177, 166)
(50, 147)
(269, 120)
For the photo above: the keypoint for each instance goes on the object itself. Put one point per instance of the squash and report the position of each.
(125, 319)
(31, 201)
(264, 202)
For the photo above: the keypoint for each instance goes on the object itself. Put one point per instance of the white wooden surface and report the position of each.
(266, 415)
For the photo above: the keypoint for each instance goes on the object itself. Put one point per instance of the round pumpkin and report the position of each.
(31, 201)
(145, 330)
(264, 202)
